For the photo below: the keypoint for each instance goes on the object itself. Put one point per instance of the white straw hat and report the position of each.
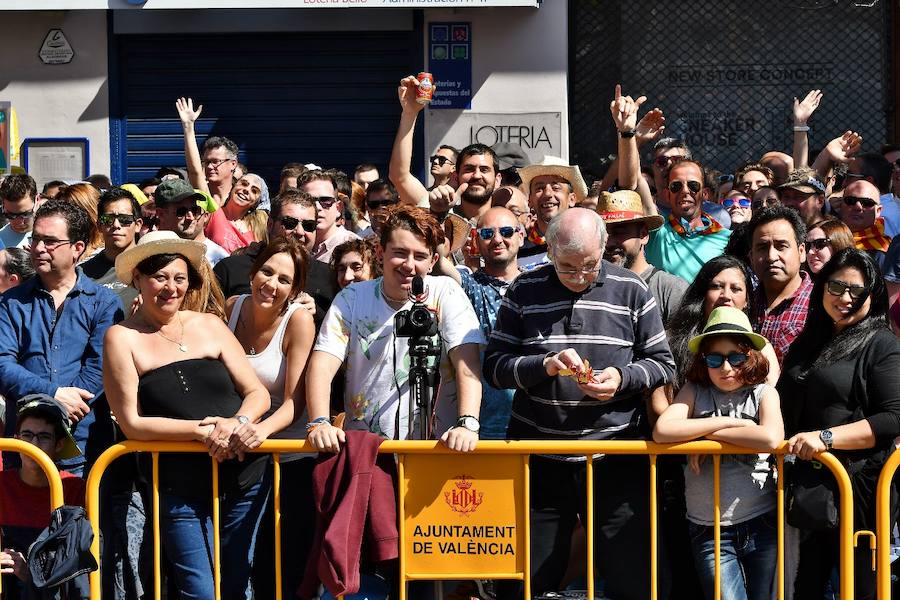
(158, 242)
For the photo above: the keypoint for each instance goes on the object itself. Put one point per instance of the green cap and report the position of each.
(727, 320)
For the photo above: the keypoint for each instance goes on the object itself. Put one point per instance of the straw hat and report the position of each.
(727, 320)
(158, 242)
(624, 206)
(553, 165)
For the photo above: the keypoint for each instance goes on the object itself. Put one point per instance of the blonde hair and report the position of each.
(87, 197)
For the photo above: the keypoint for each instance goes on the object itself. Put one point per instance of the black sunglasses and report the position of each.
(865, 202)
(12, 216)
(194, 210)
(818, 244)
(836, 287)
(693, 186)
(715, 360)
(376, 204)
(110, 218)
(325, 202)
(440, 160)
(290, 223)
(487, 233)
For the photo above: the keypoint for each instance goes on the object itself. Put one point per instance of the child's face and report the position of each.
(724, 377)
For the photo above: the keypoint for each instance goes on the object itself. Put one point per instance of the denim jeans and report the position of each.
(187, 535)
(748, 555)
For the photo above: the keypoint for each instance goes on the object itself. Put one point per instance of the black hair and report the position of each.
(779, 212)
(341, 182)
(217, 141)
(380, 185)
(114, 195)
(477, 150)
(875, 166)
(56, 183)
(688, 320)
(18, 186)
(739, 243)
(156, 262)
(100, 181)
(45, 414)
(149, 181)
(818, 344)
(18, 262)
(80, 227)
(451, 149)
(671, 142)
(364, 167)
(163, 171)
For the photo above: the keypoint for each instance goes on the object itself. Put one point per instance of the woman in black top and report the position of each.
(840, 391)
(177, 375)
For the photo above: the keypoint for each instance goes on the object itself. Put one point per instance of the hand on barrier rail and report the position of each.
(13, 562)
(75, 400)
(246, 437)
(605, 384)
(460, 439)
(695, 461)
(806, 445)
(326, 437)
(219, 439)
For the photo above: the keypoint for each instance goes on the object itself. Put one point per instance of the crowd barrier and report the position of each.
(427, 473)
(50, 470)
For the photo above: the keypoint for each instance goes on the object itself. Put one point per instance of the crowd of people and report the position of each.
(668, 301)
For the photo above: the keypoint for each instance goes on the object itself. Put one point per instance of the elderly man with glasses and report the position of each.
(581, 341)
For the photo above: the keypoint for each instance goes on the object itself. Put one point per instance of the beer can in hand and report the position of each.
(425, 89)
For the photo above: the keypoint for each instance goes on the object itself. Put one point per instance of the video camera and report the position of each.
(417, 321)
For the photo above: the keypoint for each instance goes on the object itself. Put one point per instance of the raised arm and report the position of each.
(188, 117)
(624, 111)
(409, 188)
(839, 150)
(802, 112)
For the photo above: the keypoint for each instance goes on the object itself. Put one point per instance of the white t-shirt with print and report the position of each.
(359, 330)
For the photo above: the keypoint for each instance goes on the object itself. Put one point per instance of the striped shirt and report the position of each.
(614, 322)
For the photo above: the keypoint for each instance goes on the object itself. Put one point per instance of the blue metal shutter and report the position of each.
(328, 98)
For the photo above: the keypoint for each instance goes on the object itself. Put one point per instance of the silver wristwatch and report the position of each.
(827, 438)
(242, 419)
(469, 422)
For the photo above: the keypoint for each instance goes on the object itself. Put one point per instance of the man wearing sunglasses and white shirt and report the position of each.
(442, 165)
(330, 233)
(179, 208)
(19, 195)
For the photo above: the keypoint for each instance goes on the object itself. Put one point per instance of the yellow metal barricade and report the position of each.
(464, 498)
(883, 525)
(50, 470)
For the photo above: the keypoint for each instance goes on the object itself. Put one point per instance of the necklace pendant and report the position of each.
(252, 350)
(182, 347)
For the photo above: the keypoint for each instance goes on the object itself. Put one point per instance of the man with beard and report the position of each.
(553, 187)
(629, 230)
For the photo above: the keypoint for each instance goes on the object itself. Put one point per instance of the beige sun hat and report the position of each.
(158, 242)
(553, 165)
(624, 206)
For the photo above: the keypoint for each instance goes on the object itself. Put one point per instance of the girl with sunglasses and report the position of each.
(825, 239)
(738, 207)
(727, 400)
(841, 390)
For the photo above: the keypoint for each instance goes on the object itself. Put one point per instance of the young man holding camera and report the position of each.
(359, 332)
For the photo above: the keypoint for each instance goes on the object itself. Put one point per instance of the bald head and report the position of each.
(576, 230)
(780, 163)
(495, 215)
(853, 209)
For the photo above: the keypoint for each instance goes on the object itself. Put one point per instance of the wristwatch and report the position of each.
(242, 419)
(827, 438)
(627, 133)
(469, 422)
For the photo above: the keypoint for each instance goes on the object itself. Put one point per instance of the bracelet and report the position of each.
(316, 422)
(801, 128)
(627, 134)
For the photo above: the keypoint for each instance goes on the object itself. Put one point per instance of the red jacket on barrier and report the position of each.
(354, 493)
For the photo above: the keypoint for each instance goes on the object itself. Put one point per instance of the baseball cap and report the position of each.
(52, 410)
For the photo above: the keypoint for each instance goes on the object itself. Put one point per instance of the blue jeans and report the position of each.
(748, 554)
(187, 536)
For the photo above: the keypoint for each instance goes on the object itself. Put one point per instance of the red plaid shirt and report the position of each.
(783, 323)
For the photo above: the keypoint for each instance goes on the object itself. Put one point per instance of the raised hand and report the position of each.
(186, 112)
(443, 197)
(624, 110)
(804, 109)
(406, 93)
(842, 149)
(650, 127)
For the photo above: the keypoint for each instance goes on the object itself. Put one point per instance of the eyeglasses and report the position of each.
(215, 164)
(50, 244)
(12, 216)
(585, 272)
(110, 218)
(487, 233)
(325, 202)
(376, 204)
(817, 244)
(836, 287)
(290, 223)
(36, 437)
(741, 202)
(195, 211)
(440, 160)
(693, 186)
(715, 360)
(865, 202)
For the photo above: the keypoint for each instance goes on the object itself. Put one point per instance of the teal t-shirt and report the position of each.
(684, 255)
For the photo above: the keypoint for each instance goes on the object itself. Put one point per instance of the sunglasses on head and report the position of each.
(325, 202)
(836, 287)
(741, 202)
(693, 186)
(819, 244)
(487, 233)
(376, 204)
(865, 202)
(110, 218)
(183, 210)
(715, 360)
(440, 160)
(290, 223)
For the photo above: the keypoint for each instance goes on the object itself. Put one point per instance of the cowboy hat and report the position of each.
(553, 165)
(158, 242)
(624, 206)
(727, 320)
(457, 230)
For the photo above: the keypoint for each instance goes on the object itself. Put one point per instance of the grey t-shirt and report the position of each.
(667, 289)
(103, 271)
(746, 481)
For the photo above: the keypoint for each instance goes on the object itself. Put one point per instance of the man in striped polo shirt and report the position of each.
(555, 319)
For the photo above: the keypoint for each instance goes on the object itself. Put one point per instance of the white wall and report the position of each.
(58, 100)
(519, 65)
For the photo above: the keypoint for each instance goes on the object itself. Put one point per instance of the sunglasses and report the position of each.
(110, 218)
(741, 202)
(836, 287)
(819, 244)
(487, 233)
(440, 160)
(376, 204)
(865, 202)
(715, 360)
(325, 202)
(290, 223)
(196, 211)
(664, 161)
(693, 186)
(12, 216)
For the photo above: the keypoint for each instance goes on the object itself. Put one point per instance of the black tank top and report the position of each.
(193, 389)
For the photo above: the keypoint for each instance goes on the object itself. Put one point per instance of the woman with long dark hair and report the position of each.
(840, 391)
